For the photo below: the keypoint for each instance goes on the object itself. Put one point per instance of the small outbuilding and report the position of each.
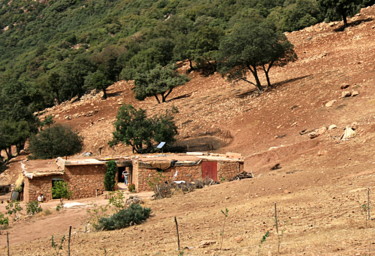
(85, 177)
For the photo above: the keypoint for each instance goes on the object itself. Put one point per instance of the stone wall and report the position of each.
(186, 173)
(142, 176)
(84, 181)
(227, 170)
(33, 187)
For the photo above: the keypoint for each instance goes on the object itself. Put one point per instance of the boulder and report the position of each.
(330, 103)
(355, 93)
(346, 94)
(344, 86)
(332, 126)
(348, 133)
(206, 243)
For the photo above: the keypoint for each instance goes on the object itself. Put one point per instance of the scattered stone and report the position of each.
(317, 132)
(276, 167)
(332, 126)
(238, 239)
(330, 103)
(344, 86)
(87, 154)
(354, 125)
(348, 133)
(242, 175)
(346, 94)
(133, 200)
(206, 243)
(68, 117)
(355, 93)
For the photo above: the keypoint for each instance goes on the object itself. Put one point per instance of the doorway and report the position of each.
(209, 170)
(120, 176)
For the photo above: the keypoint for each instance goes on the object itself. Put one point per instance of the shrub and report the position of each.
(33, 208)
(133, 215)
(109, 179)
(117, 200)
(13, 208)
(60, 190)
(55, 141)
(4, 221)
(131, 188)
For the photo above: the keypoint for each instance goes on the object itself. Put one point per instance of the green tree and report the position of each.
(340, 8)
(134, 129)
(251, 46)
(158, 81)
(55, 141)
(99, 81)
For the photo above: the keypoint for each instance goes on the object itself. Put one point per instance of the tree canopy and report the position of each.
(134, 129)
(251, 46)
(340, 8)
(55, 141)
(158, 81)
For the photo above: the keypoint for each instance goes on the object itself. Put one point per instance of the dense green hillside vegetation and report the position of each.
(52, 51)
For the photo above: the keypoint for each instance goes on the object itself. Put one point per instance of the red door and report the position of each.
(209, 170)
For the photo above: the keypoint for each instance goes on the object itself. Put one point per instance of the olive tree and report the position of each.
(252, 46)
(341, 8)
(133, 128)
(159, 81)
(55, 141)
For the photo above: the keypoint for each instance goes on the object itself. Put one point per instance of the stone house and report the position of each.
(85, 177)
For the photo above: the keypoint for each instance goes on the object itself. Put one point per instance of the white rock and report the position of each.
(332, 126)
(346, 94)
(330, 103)
(348, 133)
(355, 93)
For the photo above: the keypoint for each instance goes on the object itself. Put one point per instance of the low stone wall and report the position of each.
(227, 170)
(143, 176)
(186, 173)
(85, 181)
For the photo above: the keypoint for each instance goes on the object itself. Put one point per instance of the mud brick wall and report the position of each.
(143, 176)
(33, 187)
(227, 170)
(85, 180)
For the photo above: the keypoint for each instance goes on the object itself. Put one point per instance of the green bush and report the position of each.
(4, 221)
(33, 208)
(109, 178)
(133, 215)
(131, 188)
(60, 190)
(55, 141)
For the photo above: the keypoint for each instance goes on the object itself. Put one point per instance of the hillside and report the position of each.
(322, 183)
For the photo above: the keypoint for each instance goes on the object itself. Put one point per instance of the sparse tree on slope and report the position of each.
(134, 129)
(252, 46)
(342, 8)
(158, 81)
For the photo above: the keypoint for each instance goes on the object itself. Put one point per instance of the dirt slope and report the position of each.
(322, 183)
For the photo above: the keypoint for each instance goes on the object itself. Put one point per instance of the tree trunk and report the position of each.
(164, 96)
(344, 18)
(257, 81)
(156, 96)
(191, 65)
(266, 72)
(104, 93)
(8, 151)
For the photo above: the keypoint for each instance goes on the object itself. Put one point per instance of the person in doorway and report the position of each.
(41, 198)
(125, 175)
